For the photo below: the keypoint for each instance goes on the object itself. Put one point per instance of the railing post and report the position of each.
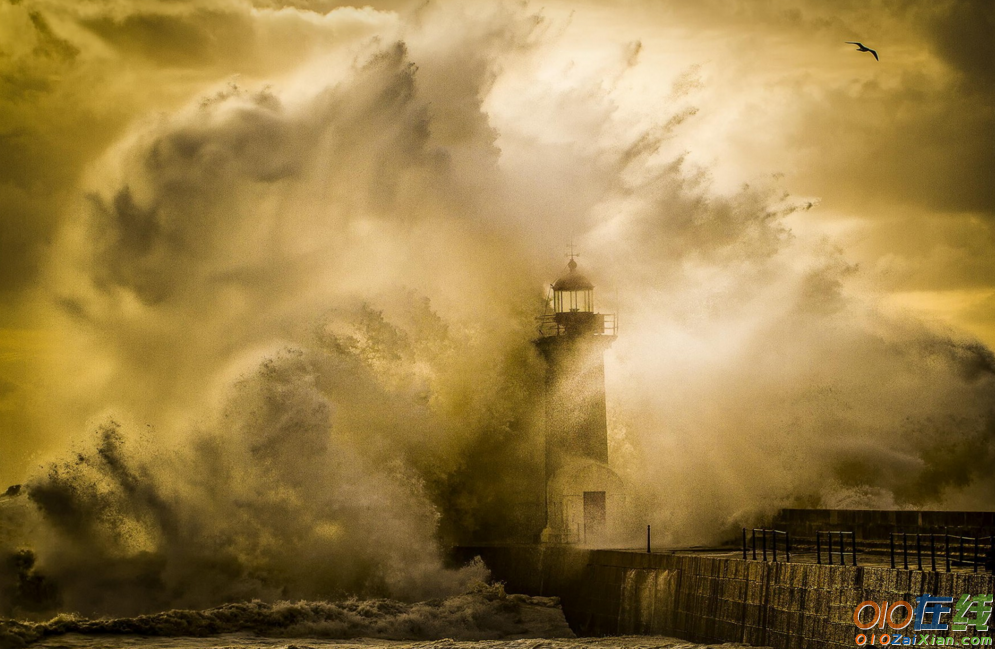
(891, 548)
(648, 550)
(946, 547)
(787, 545)
(753, 533)
(962, 550)
(842, 547)
(853, 548)
(932, 550)
(818, 547)
(975, 554)
(773, 537)
(763, 534)
(744, 544)
(919, 549)
(829, 535)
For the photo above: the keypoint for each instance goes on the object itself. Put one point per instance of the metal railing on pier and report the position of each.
(979, 551)
(841, 536)
(764, 533)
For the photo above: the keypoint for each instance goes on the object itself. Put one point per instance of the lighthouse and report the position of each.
(584, 499)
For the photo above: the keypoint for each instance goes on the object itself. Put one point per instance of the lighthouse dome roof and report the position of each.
(572, 281)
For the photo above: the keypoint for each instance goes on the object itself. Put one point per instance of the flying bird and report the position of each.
(863, 48)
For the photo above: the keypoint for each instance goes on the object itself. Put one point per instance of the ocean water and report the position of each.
(249, 641)
(485, 618)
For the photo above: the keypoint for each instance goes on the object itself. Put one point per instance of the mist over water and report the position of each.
(297, 318)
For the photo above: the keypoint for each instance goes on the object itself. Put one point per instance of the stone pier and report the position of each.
(715, 599)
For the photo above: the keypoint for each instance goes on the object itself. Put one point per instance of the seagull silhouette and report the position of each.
(863, 48)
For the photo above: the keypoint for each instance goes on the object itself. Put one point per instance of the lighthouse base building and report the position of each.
(585, 503)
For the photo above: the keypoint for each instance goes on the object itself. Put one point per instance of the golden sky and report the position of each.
(885, 168)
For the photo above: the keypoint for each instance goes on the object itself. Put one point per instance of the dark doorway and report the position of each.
(594, 516)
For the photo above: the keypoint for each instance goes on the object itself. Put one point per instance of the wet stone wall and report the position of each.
(715, 600)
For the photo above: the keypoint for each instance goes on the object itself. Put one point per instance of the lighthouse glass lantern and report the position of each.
(572, 302)
(573, 293)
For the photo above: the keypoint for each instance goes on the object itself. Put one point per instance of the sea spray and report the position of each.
(277, 495)
(423, 182)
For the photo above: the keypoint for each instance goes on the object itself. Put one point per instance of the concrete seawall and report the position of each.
(714, 600)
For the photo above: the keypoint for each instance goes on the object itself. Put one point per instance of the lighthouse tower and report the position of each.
(584, 497)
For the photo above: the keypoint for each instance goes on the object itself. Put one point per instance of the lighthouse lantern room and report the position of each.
(570, 310)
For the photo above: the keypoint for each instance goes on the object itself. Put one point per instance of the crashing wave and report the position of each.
(484, 613)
